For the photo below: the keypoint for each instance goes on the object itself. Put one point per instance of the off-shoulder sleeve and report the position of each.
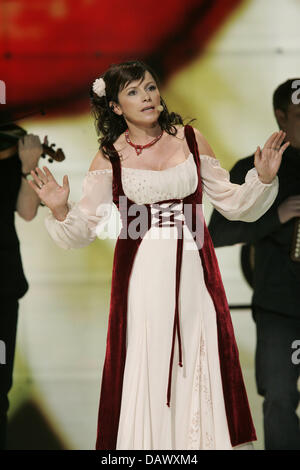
(246, 202)
(88, 216)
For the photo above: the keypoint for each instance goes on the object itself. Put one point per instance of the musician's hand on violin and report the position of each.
(267, 161)
(50, 192)
(30, 149)
(289, 208)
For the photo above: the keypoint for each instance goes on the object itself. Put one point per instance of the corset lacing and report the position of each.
(170, 220)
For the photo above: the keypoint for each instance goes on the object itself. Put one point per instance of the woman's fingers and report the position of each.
(283, 136)
(257, 154)
(270, 140)
(278, 140)
(37, 180)
(275, 140)
(282, 149)
(41, 175)
(275, 144)
(66, 182)
(34, 187)
(49, 174)
(41, 179)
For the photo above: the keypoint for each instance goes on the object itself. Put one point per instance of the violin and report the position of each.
(11, 133)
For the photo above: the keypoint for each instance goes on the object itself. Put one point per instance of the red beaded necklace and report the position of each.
(139, 148)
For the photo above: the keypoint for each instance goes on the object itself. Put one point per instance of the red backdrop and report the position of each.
(52, 51)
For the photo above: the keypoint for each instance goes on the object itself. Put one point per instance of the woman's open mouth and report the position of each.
(148, 108)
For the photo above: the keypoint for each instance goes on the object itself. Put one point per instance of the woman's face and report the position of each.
(138, 101)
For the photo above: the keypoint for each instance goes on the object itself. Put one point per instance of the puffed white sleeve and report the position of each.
(246, 202)
(86, 217)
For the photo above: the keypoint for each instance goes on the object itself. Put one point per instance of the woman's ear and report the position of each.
(115, 108)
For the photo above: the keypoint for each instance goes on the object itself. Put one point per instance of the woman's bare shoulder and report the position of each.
(203, 145)
(100, 162)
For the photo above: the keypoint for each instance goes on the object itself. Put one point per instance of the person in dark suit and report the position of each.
(16, 161)
(275, 277)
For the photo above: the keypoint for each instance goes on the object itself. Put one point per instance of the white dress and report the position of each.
(196, 418)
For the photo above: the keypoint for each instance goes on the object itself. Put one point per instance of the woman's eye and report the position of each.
(150, 88)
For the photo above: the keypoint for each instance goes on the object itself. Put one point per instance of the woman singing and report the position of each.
(171, 377)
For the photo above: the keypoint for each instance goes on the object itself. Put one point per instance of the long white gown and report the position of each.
(196, 418)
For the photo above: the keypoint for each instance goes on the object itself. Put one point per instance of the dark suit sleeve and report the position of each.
(226, 232)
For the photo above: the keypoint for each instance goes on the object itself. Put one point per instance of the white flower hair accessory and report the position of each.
(99, 87)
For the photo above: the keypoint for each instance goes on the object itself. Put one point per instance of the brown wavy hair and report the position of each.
(108, 124)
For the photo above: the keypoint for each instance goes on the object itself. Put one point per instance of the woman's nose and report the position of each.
(146, 97)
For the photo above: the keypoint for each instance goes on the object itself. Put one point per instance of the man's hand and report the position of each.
(289, 208)
(30, 151)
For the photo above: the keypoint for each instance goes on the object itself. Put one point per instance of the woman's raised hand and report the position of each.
(50, 192)
(267, 161)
